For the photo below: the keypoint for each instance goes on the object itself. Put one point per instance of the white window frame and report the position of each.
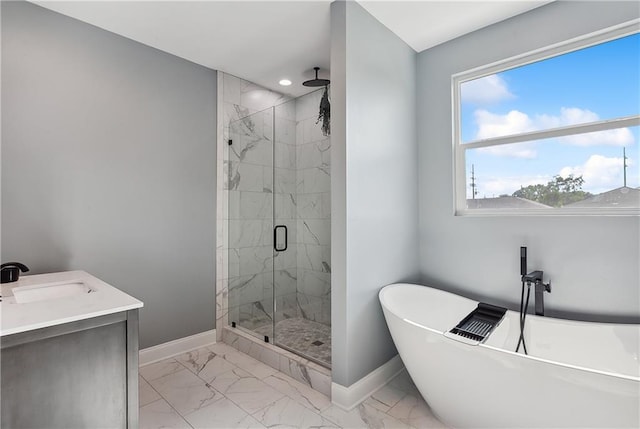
(459, 148)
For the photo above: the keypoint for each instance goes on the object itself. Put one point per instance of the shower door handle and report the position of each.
(275, 238)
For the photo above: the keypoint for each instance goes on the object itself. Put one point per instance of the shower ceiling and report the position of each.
(265, 41)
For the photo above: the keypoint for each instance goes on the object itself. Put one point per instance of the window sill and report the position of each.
(635, 212)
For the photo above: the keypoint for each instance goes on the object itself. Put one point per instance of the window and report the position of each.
(556, 131)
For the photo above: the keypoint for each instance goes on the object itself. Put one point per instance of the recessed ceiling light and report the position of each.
(285, 82)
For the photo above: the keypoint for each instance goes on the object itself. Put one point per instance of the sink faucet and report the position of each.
(10, 272)
(535, 277)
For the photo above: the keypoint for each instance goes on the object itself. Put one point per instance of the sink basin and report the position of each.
(26, 294)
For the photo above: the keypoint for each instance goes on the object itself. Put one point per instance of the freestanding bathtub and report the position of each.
(577, 374)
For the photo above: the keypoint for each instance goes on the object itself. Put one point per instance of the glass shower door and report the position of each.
(285, 261)
(302, 273)
(250, 219)
(280, 228)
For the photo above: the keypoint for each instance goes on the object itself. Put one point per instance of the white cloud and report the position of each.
(516, 122)
(600, 173)
(493, 125)
(617, 137)
(486, 90)
(520, 150)
(496, 186)
(568, 116)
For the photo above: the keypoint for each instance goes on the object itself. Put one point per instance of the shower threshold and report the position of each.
(309, 339)
(291, 363)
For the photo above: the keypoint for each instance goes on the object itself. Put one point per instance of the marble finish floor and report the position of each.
(312, 339)
(219, 387)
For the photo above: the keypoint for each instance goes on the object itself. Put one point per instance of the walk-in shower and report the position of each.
(279, 227)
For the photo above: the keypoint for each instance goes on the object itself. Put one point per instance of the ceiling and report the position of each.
(265, 41)
(424, 24)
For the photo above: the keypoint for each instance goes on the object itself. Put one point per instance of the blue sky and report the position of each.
(596, 83)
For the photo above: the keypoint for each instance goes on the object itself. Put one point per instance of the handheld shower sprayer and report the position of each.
(535, 278)
(523, 305)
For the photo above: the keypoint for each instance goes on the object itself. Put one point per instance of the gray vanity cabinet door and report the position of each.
(74, 380)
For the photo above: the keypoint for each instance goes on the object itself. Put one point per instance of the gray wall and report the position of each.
(108, 165)
(591, 261)
(374, 184)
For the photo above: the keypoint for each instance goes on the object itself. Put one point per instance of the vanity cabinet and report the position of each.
(82, 374)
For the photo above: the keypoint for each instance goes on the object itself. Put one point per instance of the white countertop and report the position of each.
(104, 299)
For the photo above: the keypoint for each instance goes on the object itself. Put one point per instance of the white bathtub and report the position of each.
(577, 374)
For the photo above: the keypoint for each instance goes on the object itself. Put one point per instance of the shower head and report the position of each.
(316, 82)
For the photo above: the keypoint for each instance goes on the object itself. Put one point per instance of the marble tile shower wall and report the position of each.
(313, 211)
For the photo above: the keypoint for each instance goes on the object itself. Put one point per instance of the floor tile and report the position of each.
(404, 383)
(146, 393)
(385, 398)
(205, 363)
(415, 412)
(299, 392)
(219, 387)
(196, 360)
(222, 414)
(159, 414)
(363, 416)
(248, 393)
(221, 382)
(287, 413)
(160, 369)
(185, 391)
(250, 423)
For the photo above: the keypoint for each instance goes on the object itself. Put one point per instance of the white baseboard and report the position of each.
(348, 398)
(176, 347)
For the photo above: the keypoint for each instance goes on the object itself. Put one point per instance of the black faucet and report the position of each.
(10, 272)
(535, 277)
(540, 289)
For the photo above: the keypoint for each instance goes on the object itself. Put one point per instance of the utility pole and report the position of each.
(474, 190)
(624, 164)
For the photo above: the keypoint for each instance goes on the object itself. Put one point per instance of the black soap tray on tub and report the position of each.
(478, 325)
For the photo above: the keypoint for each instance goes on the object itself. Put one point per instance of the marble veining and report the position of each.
(185, 391)
(302, 335)
(413, 411)
(251, 394)
(222, 414)
(179, 397)
(286, 412)
(205, 363)
(364, 416)
(298, 392)
(293, 365)
(278, 164)
(385, 398)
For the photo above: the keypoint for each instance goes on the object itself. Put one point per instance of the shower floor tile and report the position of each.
(304, 336)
